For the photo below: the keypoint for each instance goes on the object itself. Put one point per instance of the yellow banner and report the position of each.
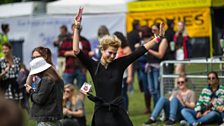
(197, 20)
(217, 3)
(167, 4)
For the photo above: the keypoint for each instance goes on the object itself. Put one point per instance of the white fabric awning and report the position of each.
(90, 6)
(21, 9)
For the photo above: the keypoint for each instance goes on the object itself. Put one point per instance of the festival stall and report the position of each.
(197, 14)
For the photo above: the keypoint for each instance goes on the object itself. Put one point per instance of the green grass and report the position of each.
(136, 101)
(136, 109)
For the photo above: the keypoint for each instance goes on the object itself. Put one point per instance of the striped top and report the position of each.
(209, 100)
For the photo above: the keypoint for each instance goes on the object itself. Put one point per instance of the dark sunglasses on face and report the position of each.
(33, 57)
(180, 82)
(211, 78)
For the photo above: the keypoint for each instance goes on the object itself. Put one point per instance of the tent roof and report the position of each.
(90, 6)
(20, 9)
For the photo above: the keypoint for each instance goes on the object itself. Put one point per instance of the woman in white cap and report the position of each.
(47, 98)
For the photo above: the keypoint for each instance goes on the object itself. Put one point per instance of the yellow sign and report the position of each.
(167, 4)
(217, 3)
(197, 20)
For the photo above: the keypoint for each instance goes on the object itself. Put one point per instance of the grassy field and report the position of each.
(136, 109)
(136, 103)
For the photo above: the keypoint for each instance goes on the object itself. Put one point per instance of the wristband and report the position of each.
(76, 25)
(158, 39)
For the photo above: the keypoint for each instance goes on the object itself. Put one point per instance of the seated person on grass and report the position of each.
(206, 108)
(180, 98)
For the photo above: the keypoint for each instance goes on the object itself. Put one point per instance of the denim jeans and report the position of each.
(175, 109)
(190, 116)
(162, 103)
(79, 75)
(142, 78)
(172, 108)
(154, 84)
(222, 114)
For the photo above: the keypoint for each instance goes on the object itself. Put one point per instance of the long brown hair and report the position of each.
(51, 74)
(45, 53)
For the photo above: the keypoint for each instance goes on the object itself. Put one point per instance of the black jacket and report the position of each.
(47, 100)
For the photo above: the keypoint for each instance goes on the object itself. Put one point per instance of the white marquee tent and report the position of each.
(21, 9)
(42, 29)
(91, 6)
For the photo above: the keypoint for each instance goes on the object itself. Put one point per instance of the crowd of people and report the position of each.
(112, 63)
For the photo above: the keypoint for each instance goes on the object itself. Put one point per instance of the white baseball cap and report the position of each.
(38, 65)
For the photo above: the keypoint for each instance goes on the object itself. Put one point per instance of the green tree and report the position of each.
(8, 1)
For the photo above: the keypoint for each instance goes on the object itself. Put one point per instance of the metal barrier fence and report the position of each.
(196, 71)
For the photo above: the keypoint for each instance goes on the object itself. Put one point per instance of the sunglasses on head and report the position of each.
(180, 82)
(211, 78)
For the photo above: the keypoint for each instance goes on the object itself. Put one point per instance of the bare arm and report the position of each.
(78, 113)
(76, 40)
(152, 42)
(29, 80)
(77, 23)
(189, 104)
(162, 49)
(130, 67)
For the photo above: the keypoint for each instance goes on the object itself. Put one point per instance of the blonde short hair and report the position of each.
(108, 40)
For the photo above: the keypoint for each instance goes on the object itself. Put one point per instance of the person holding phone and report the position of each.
(47, 98)
(107, 76)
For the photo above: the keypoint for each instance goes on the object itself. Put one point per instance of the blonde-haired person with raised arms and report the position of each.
(107, 77)
(73, 107)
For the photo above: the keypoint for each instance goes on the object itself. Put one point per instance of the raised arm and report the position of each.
(76, 27)
(152, 42)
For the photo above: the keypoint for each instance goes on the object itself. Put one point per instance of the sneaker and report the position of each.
(196, 124)
(221, 124)
(170, 123)
(150, 121)
(162, 116)
(184, 123)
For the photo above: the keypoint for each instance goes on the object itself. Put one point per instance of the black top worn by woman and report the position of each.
(108, 82)
(47, 100)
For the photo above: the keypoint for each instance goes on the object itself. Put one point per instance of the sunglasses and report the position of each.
(154, 30)
(211, 78)
(33, 57)
(180, 82)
